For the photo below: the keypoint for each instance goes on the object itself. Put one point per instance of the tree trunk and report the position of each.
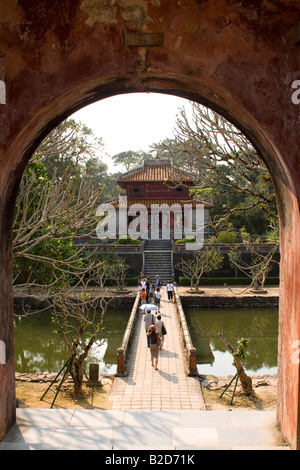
(76, 372)
(246, 381)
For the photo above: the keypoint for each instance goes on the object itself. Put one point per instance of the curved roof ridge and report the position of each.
(159, 170)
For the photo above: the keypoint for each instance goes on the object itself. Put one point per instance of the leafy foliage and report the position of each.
(57, 201)
(230, 172)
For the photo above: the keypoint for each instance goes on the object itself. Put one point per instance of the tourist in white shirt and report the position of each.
(170, 288)
(157, 297)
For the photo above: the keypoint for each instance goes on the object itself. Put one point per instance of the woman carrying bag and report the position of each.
(154, 345)
(160, 329)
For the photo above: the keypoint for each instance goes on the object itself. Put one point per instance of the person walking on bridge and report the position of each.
(160, 328)
(158, 284)
(170, 288)
(154, 345)
(157, 297)
(149, 320)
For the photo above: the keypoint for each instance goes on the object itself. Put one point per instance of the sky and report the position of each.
(132, 121)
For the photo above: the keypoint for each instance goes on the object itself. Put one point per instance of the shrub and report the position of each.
(126, 240)
(226, 237)
(185, 240)
(227, 281)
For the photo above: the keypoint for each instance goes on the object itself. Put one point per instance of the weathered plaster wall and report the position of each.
(239, 57)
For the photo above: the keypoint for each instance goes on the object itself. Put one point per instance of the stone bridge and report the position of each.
(175, 385)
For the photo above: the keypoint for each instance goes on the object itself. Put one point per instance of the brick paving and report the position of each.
(169, 387)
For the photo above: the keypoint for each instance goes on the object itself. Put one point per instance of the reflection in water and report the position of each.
(260, 326)
(38, 349)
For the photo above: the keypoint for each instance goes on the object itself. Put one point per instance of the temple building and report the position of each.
(158, 200)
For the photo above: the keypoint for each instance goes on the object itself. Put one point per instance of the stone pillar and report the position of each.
(120, 361)
(94, 372)
(193, 370)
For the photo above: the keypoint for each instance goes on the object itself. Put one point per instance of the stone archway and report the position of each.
(242, 61)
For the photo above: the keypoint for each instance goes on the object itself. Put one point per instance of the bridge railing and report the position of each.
(124, 349)
(190, 350)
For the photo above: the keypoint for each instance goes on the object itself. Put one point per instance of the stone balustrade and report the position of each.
(190, 350)
(124, 349)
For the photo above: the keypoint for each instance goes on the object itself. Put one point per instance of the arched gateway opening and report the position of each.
(218, 55)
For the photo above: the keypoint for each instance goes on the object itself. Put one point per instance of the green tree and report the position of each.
(68, 148)
(57, 201)
(131, 159)
(78, 315)
(230, 172)
(258, 267)
(201, 262)
(230, 169)
(50, 215)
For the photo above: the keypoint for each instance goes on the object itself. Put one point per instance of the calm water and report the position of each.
(38, 349)
(260, 326)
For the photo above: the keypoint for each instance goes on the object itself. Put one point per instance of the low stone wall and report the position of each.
(125, 300)
(40, 377)
(45, 377)
(124, 350)
(190, 351)
(227, 270)
(219, 302)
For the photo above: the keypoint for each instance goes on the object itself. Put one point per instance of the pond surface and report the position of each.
(259, 326)
(39, 349)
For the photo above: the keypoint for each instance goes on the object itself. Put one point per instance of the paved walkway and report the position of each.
(107, 430)
(169, 387)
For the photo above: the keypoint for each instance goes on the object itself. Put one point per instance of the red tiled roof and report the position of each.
(157, 171)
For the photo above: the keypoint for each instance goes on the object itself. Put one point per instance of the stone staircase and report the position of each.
(158, 260)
